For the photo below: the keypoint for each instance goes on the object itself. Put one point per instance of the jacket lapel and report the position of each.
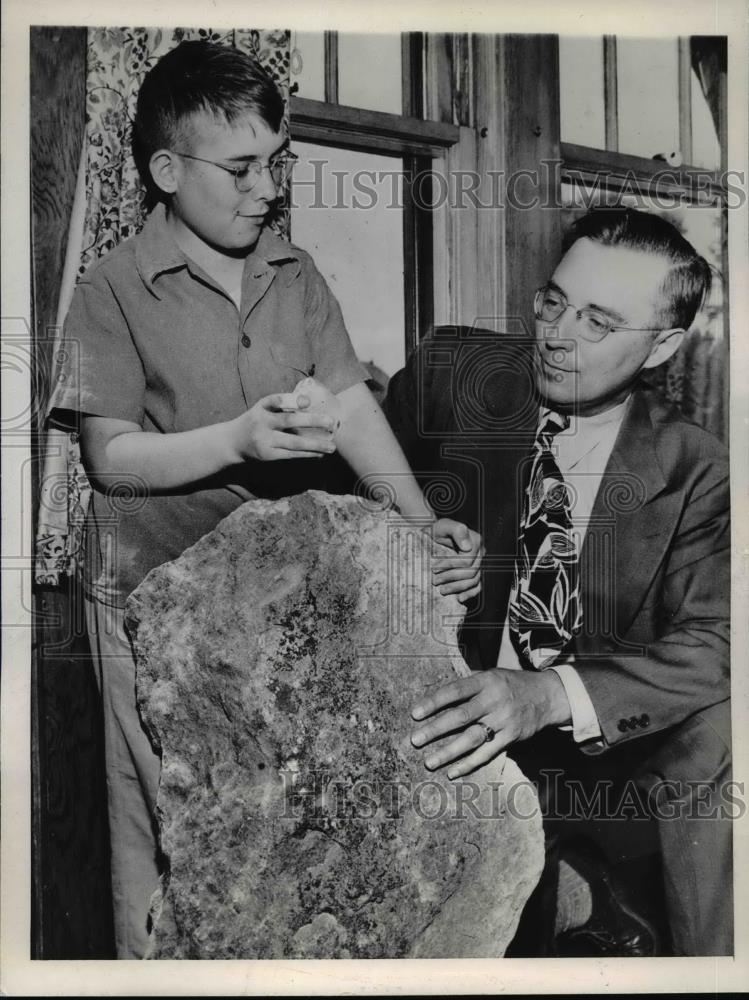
(496, 453)
(630, 528)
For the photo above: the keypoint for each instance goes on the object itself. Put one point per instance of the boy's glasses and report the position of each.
(247, 176)
(549, 304)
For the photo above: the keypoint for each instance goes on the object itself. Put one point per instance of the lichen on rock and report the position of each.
(278, 659)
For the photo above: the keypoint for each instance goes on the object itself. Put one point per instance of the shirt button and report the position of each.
(245, 340)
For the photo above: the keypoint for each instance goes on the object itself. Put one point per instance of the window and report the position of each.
(643, 97)
(352, 127)
(659, 105)
(347, 212)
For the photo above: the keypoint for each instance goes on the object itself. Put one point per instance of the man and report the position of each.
(605, 520)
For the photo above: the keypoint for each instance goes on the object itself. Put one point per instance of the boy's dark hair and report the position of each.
(688, 281)
(198, 76)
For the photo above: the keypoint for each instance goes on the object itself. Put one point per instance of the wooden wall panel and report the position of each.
(516, 124)
(489, 124)
(71, 906)
(455, 244)
(58, 67)
(532, 237)
(495, 252)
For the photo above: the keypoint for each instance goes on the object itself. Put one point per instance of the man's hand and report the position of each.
(516, 704)
(457, 557)
(267, 433)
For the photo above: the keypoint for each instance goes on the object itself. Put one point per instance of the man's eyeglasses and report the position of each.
(549, 304)
(248, 175)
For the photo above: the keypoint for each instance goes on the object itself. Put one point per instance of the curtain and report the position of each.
(109, 207)
(118, 59)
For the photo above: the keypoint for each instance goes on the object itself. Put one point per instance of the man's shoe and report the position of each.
(614, 929)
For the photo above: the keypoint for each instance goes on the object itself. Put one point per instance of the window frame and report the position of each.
(417, 141)
(649, 177)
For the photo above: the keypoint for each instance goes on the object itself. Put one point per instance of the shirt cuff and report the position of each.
(584, 719)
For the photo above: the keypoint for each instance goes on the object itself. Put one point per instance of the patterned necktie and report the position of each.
(544, 608)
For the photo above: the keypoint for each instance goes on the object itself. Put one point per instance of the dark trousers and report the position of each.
(672, 790)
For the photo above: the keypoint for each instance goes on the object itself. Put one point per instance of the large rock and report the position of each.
(278, 659)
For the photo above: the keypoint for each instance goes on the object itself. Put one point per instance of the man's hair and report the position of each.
(688, 281)
(194, 77)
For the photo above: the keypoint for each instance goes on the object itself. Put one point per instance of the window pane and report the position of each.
(705, 145)
(369, 72)
(648, 77)
(700, 224)
(347, 213)
(308, 64)
(581, 91)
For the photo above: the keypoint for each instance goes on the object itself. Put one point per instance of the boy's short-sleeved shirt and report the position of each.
(152, 339)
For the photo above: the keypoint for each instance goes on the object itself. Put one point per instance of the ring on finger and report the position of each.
(489, 733)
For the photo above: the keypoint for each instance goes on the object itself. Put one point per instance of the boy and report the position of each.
(187, 336)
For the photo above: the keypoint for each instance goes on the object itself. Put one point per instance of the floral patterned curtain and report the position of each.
(113, 209)
(118, 60)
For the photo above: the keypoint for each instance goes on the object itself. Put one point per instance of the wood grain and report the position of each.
(417, 249)
(489, 123)
(449, 78)
(71, 904)
(616, 171)
(610, 93)
(502, 243)
(58, 59)
(412, 74)
(532, 237)
(331, 66)
(370, 131)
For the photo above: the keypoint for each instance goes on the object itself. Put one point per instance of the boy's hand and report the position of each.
(456, 566)
(267, 433)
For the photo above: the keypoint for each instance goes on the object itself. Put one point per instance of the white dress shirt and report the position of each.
(582, 453)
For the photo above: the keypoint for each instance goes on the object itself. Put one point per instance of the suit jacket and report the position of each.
(655, 581)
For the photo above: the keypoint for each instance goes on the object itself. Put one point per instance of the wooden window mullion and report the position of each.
(370, 131)
(685, 100)
(331, 67)
(417, 250)
(610, 93)
(412, 74)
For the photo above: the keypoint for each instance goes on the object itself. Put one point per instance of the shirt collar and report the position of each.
(272, 249)
(614, 415)
(157, 252)
(585, 434)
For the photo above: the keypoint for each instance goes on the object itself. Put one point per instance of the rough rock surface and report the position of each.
(277, 662)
